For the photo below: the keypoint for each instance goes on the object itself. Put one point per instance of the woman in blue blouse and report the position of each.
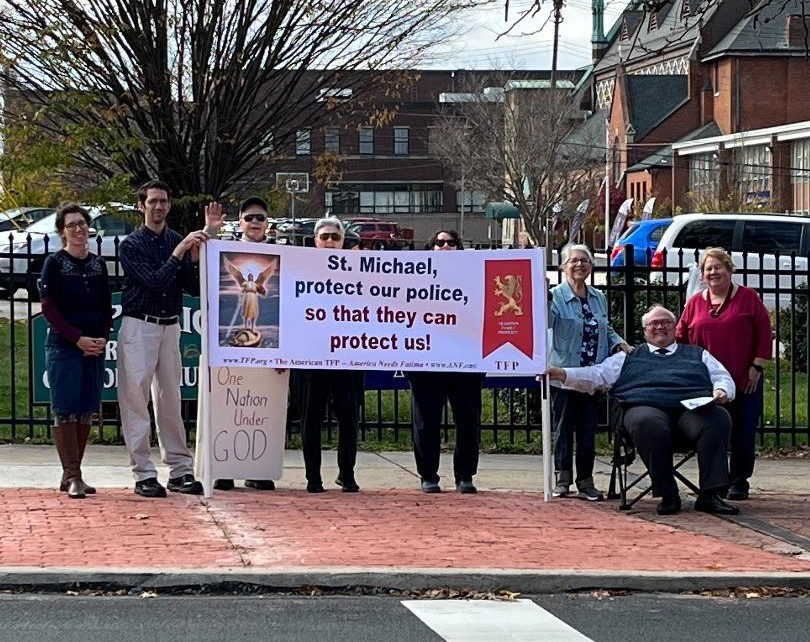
(76, 302)
(581, 336)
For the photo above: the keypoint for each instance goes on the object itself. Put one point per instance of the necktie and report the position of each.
(662, 351)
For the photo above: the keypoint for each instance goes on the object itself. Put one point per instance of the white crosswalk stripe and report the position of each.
(492, 621)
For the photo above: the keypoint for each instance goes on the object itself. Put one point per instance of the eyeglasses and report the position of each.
(325, 236)
(660, 324)
(448, 242)
(77, 225)
(259, 218)
(579, 261)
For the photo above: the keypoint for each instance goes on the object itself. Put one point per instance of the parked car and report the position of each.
(19, 218)
(644, 236)
(23, 252)
(382, 235)
(305, 233)
(755, 242)
(230, 230)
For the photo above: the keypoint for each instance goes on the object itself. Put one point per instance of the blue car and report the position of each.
(644, 237)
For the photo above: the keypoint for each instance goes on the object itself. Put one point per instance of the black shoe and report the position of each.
(347, 483)
(430, 486)
(185, 484)
(715, 505)
(223, 484)
(737, 494)
(315, 487)
(669, 505)
(150, 488)
(466, 487)
(260, 484)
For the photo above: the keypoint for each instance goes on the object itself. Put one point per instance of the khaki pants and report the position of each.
(149, 357)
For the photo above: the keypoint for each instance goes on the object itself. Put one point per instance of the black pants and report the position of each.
(313, 389)
(654, 429)
(574, 415)
(429, 393)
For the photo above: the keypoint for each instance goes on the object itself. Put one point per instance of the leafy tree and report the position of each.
(201, 94)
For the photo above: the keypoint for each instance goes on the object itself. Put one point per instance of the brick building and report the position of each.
(685, 87)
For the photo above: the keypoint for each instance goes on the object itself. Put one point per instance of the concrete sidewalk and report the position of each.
(389, 535)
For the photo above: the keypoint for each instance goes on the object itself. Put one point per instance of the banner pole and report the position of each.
(204, 390)
(548, 468)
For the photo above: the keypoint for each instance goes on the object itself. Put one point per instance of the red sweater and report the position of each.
(741, 332)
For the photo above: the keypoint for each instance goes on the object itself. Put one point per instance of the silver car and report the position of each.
(23, 252)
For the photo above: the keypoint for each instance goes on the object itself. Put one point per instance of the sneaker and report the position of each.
(430, 487)
(466, 487)
(590, 494)
(260, 484)
(347, 483)
(185, 484)
(150, 488)
(560, 490)
(223, 484)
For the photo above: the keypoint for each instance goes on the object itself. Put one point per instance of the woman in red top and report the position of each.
(730, 321)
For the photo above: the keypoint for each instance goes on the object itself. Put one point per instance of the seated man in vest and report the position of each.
(650, 384)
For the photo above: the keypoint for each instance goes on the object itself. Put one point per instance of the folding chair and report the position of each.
(624, 454)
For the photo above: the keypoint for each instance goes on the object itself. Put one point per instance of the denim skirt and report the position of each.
(74, 380)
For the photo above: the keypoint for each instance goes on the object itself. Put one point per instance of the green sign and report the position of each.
(190, 326)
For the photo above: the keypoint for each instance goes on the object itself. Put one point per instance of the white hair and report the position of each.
(646, 316)
(565, 253)
(329, 221)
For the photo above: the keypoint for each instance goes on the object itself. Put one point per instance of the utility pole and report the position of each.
(558, 6)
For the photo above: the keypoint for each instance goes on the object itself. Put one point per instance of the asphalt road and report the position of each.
(633, 618)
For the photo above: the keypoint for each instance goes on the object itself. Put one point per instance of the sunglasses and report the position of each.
(259, 218)
(325, 236)
(443, 242)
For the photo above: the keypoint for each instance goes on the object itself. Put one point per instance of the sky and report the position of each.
(480, 48)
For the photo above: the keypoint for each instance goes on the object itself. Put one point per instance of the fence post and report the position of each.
(629, 295)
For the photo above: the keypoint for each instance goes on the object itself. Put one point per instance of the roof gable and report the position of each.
(653, 98)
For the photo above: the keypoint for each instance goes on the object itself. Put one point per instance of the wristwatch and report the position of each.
(757, 368)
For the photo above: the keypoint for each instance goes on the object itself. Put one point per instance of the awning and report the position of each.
(501, 211)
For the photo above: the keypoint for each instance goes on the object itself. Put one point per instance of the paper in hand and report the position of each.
(696, 402)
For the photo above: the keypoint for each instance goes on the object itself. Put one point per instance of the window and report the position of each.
(701, 234)
(401, 141)
(366, 140)
(703, 176)
(770, 237)
(384, 198)
(754, 173)
(331, 140)
(302, 142)
(800, 175)
(473, 201)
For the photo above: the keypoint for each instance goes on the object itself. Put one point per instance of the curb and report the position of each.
(529, 582)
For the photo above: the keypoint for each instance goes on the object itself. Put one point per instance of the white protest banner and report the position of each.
(294, 307)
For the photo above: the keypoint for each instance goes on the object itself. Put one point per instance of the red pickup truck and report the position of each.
(382, 235)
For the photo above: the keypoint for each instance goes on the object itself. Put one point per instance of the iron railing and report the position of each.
(512, 413)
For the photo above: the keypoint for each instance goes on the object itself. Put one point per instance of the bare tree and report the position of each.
(199, 93)
(518, 141)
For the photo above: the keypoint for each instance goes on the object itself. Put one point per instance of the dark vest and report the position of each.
(662, 381)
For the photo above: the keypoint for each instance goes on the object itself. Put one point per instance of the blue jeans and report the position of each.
(746, 413)
(574, 415)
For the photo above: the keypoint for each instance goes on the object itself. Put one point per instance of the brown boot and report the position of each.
(82, 434)
(67, 445)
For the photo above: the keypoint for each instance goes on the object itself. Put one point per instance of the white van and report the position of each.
(769, 250)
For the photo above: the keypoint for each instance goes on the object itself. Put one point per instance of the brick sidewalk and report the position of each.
(379, 528)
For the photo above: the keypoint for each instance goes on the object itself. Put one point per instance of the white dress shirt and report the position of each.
(603, 375)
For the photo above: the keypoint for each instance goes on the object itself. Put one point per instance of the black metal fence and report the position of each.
(511, 406)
